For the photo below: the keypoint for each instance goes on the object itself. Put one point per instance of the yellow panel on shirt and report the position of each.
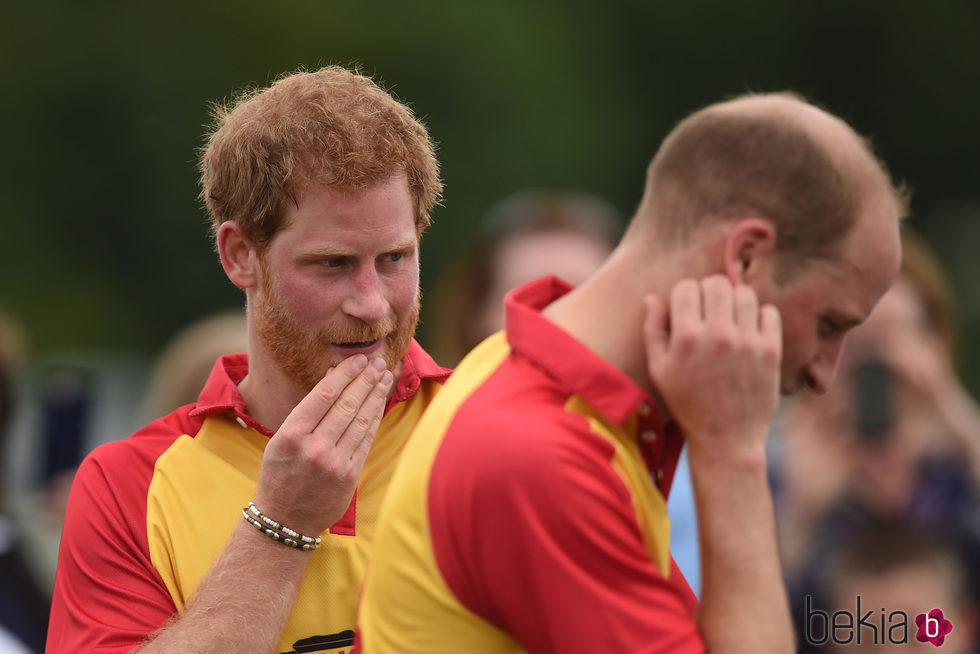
(200, 486)
(528, 513)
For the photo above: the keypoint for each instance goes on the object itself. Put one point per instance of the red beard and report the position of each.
(305, 355)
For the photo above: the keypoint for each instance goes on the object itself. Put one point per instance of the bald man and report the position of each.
(528, 512)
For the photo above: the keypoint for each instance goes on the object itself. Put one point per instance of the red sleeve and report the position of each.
(107, 595)
(535, 532)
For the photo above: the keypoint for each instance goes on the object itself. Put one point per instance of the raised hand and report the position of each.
(311, 465)
(714, 357)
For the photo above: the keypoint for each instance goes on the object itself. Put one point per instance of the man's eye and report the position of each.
(333, 263)
(828, 328)
(394, 256)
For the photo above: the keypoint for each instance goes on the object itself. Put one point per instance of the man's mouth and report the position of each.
(357, 344)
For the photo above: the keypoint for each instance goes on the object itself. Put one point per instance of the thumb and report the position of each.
(656, 330)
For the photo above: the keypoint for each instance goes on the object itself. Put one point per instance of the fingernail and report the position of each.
(387, 378)
(360, 362)
(379, 364)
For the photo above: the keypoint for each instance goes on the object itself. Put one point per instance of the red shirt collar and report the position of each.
(220, 392)
(416, 366)
(569, 362)
(582, 372)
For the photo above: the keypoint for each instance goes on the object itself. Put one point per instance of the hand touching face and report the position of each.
(714, 357)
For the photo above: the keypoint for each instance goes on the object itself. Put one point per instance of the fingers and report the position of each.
(713, 358)
(747, 309)
(346, 409)
(312, 463)
(312, 408)
(729, 316)
(771, 328)
(713, 300)
(717, 293)
(685, 307)
(724, 304)
(355, 442)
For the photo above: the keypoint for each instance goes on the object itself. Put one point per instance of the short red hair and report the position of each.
(331, 126)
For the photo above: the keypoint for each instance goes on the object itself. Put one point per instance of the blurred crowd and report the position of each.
(877, 482)
(65, 398)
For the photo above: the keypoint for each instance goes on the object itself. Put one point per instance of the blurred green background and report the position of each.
(105, 244)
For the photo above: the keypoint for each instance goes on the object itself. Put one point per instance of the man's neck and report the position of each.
(607, 314)
(268, 393)
(603, 321)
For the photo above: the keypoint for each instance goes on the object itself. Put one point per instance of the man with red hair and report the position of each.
(244, 521)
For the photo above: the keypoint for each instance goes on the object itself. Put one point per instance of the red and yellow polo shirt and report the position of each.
(149, 514)
(528, 512)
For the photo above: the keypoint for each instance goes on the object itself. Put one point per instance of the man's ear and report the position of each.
(239, 257)
(749, 248)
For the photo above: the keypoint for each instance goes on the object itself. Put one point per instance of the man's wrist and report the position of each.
(721, 455)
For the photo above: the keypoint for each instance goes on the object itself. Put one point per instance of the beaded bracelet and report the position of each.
(281, 527)
(276, 536)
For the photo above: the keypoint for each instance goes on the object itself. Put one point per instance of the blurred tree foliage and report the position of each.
(104, 102)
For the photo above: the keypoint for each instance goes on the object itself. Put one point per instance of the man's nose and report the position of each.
(365, 298)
